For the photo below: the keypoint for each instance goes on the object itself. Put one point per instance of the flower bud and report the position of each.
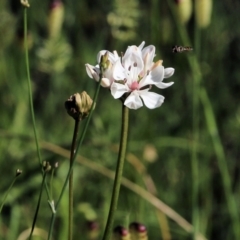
(92, 230)
(56, 165)
(78, 105)
(120, 233)
(18, 172)
(55, 18)
(203, 10)
(46, 166)
(104, 62)
(25, 3)
(138, 231)
(184, 10)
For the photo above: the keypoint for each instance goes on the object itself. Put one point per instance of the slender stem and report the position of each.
(7, 192)
(73, 160)
(70, 206)
(30, 95)
(118, 174)
(38, 206)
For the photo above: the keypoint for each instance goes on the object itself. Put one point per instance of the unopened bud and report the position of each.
(25, 3)
(18, 172)
(56, 165)
(104, 62)
(203, 10)
(46, 166)
(120, 233)
(92, 230)
(78, 105)
(138, 231)
(184, 10)
(55, 18)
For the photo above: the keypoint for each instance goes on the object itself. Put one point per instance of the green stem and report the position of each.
(73, 160)
(38, 206)
(30, 95)
(70, 206)
(6, 194)
(118, 174)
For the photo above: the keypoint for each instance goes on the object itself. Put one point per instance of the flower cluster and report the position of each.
(131, 76)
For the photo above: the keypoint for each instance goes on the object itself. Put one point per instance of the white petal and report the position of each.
(133, 101)
(168, 72)
(133, 65)
(119, 72)
(118, 89)
(141, 45)
(148, 53)
(163, 85)
(105, 82)
(157, 74)
(93, 72)
(151, 99)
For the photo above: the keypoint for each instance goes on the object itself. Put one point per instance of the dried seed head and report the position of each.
(78, 105)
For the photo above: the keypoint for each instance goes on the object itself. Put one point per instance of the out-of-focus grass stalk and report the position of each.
(212, 128)
(74, 157)
(30, 94)
(8, 190)
(118, 173)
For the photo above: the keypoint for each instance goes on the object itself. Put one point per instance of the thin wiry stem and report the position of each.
(73, 160)
(31, 96)
(70, 196)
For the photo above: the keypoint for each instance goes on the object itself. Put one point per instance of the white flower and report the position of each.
(133, 76)
(139, 73)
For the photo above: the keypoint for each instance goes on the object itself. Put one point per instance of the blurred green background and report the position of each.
(62, 38)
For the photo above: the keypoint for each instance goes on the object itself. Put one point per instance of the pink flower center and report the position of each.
(134, 86)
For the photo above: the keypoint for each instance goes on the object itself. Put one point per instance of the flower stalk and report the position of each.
(18, 172)
(118, 174)
(46, 168)
(70, 195)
